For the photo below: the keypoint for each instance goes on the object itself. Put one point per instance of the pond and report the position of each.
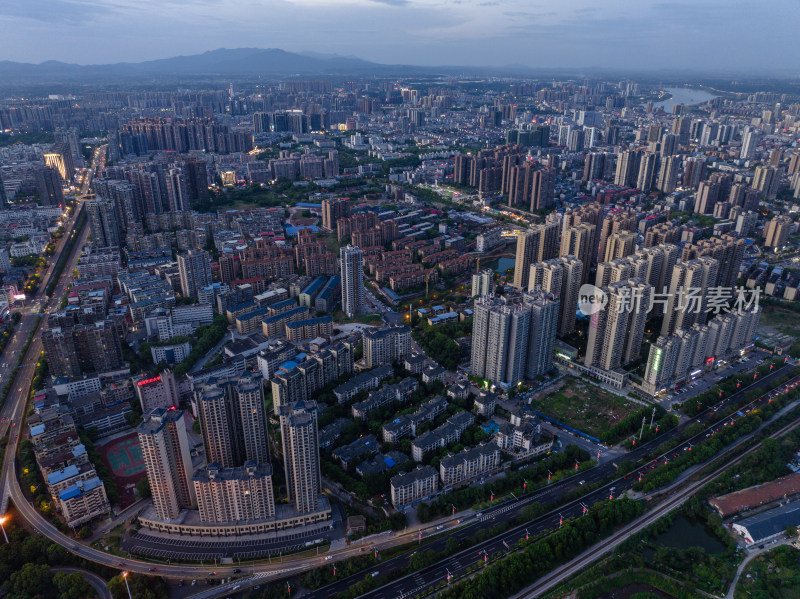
(685, 533)
(503, 264)
(686, 96)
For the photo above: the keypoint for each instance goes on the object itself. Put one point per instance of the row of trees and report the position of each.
(703, 451)
(632, 424)
(559, 464)
(207, 337)
(729, 386)
(508, 576)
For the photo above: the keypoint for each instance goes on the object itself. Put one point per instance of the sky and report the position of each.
(730, 35)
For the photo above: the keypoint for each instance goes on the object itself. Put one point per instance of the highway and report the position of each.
(585, 559)
(503, 513)
(16, 402)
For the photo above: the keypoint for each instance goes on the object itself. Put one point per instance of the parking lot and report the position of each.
(703, 384)
(215, 548)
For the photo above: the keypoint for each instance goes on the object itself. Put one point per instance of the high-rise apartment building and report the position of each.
(483, 282)
(352, 273)
(103, 223)
(668, 174)
(579, 241)
(166, 455)
(619, 245)
(708, 194)
(766, 179)
(227, 495)
(60, 158)
(332, 210)
(750, 140)
(3, 194)
(233, 420)
(194, 268)
(687, 298)
(504, 344)
(616, 332)
(647, 170)
(386, 345)
(300, 439)
(534, 245)
(727, 250)
(615, 222)
(562, 278)
(777, 231)
(675, 358)
(627, 168)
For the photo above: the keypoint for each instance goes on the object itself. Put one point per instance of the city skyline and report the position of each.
(479, 33)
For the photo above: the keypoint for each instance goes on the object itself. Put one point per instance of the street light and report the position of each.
(125, 578)
(3, 521)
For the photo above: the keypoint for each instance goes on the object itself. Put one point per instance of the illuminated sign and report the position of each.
(148, 381)
(656, 359)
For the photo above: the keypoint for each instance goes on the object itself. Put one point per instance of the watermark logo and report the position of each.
(591, 299)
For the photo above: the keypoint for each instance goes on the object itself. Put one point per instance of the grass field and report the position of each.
(583, 406)
(781, 319)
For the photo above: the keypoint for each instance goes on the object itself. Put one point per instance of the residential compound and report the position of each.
(233, 493)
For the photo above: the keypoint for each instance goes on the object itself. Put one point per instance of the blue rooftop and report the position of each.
(312, 287)
(292, 231)
(78, 489)
(56, 477)
(308, 205)
(37, 429)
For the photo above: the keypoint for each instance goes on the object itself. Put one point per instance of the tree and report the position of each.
(72, 586)
(791, 531)
(143, 487)
(32, 581)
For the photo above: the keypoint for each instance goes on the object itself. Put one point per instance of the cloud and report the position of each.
(52, 11)
(392, 2)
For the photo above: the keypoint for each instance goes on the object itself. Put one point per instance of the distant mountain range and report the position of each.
(225, 64)
(216, 63)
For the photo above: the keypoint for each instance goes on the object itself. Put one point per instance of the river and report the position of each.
(685, 95)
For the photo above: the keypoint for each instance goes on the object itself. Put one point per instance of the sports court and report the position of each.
(125, 457)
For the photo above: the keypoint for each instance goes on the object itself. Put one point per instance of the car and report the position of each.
(328, 558)
(760, 546)
(440, 527)
(375, 573)
(258, 586)
(212, 573)
(236, 571)
(582, 482)
(194, 582)
(121, 564)
(180, 582)
(154, 569)
(20, 389)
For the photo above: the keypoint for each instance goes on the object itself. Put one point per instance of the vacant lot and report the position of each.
(781, 319)
(583, 406)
